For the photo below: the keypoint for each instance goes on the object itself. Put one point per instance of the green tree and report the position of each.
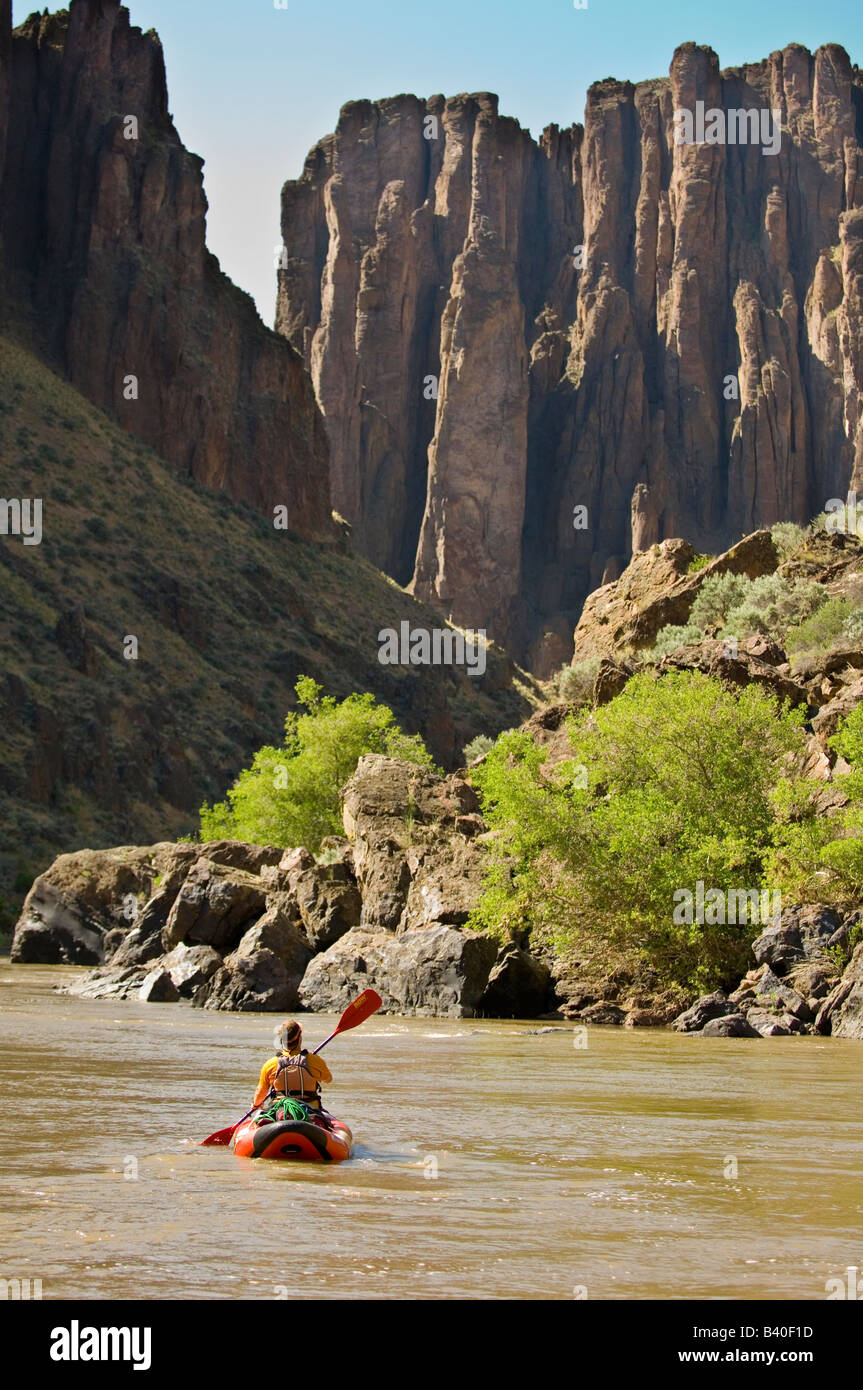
(668, 784)
(291, 794)
(818, 857)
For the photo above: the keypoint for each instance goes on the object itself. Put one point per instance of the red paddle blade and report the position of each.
(221, 1138)
(362, 1008)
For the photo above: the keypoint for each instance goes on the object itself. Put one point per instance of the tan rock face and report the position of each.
(666, 334)
(103, 242)
(655, 589)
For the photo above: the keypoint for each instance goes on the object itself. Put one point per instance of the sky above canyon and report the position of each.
(253, 87)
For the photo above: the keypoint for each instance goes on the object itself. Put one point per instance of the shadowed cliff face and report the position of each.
(102, 226)
(696, 369)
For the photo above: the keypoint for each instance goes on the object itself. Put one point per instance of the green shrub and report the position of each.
(97, 528)
(698, 563)
(575, 683)
(852, 631)
(717, 595)
(671, 637)
(788, 537)
(291, 795)
(476, 748)
(818, 857)
(678, 773)
(838, 622)
(772, 605)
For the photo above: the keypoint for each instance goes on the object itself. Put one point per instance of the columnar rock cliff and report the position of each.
(102, 220)
(668, 335)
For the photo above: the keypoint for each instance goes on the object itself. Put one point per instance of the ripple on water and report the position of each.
(608, 1171)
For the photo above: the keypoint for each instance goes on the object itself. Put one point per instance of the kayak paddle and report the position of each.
(362, 1008)
(356, 1013)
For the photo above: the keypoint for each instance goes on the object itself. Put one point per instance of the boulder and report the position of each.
(842, 1011)
(80, 899)
(144, 942)
(327, 897)
(604, 1012)
(767, 1024)
(656, 589)
(611, 677)
(158, 988)
(645, 1018)
(814, 979)
(744, 669)
(703, 1011)
(51, 929)
(236, 854)
(745, 993)
(771, 993)
(802, 935)
(434, 972)
(519, 986)
(413, 865)
(107, 982)
(255, 983)
(214, 906)
(278, 931)
(190, 967)
(826, 721)
(729, 1026)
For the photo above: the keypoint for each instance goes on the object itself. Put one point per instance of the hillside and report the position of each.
(97, 749)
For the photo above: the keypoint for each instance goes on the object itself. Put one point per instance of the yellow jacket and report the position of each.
(303, 1076)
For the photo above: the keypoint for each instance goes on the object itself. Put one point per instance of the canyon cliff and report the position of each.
(151, 639)
(502, 330)
(104, 262)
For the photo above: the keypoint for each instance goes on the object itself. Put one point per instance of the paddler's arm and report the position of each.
(317, 1067)
(263, 1084)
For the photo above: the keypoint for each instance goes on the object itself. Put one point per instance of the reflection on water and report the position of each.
(491, 1162)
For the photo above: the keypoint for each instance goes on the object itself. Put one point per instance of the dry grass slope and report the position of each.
(96, 749)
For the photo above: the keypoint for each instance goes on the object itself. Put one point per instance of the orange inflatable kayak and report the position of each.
(311, 1140)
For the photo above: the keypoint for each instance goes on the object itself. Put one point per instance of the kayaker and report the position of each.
(294, 1071)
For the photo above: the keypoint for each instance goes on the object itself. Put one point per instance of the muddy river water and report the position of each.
(491, 1161)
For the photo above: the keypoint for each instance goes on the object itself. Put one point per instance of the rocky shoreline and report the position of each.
(248, 927)
(225, 925)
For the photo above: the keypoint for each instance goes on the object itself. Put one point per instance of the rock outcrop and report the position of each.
(235, 926)
(102, 219)
(621, 621)
(656, 589)
(538, 358)
(842, 1011)
(798, 985)
(86, 901)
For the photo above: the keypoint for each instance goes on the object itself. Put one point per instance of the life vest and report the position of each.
(293, 1079)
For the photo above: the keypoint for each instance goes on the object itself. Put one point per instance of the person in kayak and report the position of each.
(294, 1071)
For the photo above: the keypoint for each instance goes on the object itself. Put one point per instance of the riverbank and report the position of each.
(646, 1164)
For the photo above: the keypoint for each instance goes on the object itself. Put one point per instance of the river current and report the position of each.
(492, 1160)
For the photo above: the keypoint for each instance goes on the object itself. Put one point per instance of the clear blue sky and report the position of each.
(252, 87)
